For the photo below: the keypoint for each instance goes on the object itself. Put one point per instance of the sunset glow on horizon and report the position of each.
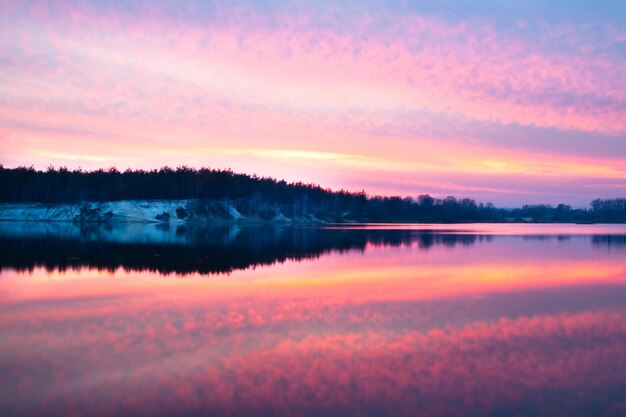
(499, 102)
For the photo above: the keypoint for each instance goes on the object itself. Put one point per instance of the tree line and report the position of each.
(62, 185)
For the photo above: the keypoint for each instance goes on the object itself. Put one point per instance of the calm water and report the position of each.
(423, 320)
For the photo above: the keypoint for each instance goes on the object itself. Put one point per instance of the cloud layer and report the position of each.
(428, 100)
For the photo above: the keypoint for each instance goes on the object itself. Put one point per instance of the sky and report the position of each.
(509, 102)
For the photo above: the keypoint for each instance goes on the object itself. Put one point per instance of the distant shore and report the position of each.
(221, 211)
(207, 195)
(150, 211)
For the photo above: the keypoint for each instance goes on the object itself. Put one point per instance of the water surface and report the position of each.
(385, 320)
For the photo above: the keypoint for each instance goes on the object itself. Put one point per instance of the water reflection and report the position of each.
(184, 249)
(616, 241)
(187, 249)
(382, 323)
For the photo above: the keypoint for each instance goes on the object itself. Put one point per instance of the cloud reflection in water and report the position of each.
(504, 326)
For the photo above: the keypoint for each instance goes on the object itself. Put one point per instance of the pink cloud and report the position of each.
(248, 81)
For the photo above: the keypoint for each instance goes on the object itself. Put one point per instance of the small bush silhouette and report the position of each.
(164, 217)
(181, 213)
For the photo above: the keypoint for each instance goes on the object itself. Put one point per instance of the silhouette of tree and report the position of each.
(263, 196)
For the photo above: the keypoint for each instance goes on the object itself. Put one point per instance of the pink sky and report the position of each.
(496, 105)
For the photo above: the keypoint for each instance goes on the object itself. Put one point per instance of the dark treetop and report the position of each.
(260, 196)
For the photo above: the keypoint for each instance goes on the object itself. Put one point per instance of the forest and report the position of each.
(255, 195)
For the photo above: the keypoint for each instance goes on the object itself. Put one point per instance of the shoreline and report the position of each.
(225, 212)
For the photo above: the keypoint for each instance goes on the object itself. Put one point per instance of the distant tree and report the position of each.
(253, 195)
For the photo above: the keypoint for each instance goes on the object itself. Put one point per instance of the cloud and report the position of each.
(307, 79)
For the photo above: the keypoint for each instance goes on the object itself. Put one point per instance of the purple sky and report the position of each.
(499, 101)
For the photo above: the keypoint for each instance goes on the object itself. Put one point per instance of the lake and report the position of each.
(366, 320)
